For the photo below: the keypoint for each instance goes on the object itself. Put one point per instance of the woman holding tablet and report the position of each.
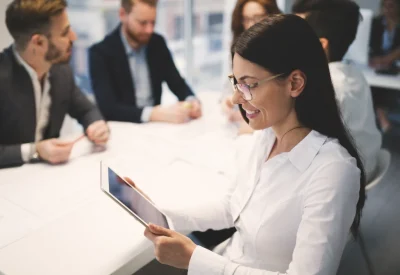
(300, 188)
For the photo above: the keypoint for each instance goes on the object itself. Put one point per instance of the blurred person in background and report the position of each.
(245, 14)
(384, 53)
(336, 22)
(37, 86)
(128, 67)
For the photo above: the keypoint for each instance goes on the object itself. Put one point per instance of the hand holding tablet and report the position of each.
(127, 195)
(171, 247)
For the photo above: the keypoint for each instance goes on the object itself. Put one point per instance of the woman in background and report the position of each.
(384, 53)
(245, 14)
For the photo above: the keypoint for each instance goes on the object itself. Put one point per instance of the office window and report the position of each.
(215, 31)
(207, 45)
(170, 24)
(91, 20)
(178, 30)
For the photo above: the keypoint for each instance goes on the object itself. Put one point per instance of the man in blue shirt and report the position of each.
(128, 68)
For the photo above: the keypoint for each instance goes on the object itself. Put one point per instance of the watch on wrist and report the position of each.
(34, 155)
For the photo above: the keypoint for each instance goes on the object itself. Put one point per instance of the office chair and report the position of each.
(382, 167)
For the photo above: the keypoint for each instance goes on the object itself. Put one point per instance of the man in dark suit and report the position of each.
(37, 87)
(128, 68)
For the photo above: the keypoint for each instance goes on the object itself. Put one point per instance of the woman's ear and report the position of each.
(298, 82)
(325, 45)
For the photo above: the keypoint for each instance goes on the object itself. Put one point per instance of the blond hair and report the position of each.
(128, 4)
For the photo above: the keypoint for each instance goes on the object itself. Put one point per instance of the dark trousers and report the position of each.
(385, 98)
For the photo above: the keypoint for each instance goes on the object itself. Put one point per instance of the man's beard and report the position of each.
(137, 39)
(54, 55)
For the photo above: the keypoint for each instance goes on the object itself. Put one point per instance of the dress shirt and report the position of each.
(141, 76)
(388, 37)
(354, 98)
(42, 103)
(292, 213)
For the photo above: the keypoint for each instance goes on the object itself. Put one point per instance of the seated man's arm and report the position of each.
(82, 109)
(102, 86)
(53, 151)
(174, 80)
(88, 116)
(11, 155)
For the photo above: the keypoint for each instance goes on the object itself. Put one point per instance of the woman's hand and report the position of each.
(381, 62)
(170, 247)
(228, 108)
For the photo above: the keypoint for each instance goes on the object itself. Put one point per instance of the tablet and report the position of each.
(130, 198)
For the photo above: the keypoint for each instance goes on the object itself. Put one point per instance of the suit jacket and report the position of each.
(112, 81)
(376, 39)
(18, 109)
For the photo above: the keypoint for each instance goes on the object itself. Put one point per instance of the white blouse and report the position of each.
(292, 213)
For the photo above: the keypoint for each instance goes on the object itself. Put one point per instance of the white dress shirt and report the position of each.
(354, 98)
(140, 74)
(42, 105)
(292, 213)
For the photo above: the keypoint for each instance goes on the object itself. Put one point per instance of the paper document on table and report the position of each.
(15, 223)
(50, 191)
(84, 147)
(214, 150)
(187, 185)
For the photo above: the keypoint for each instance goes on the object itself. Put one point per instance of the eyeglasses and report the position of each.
(244, 88)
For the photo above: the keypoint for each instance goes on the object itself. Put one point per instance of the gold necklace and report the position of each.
(297, 127)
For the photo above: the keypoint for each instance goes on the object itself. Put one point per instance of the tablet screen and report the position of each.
(132, 199)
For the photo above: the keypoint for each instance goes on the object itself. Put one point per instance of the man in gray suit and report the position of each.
(37, 87)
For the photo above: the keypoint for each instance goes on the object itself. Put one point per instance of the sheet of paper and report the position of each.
(51, 191)
(15, 223)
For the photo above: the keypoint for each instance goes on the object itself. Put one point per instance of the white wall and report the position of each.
(369, 4)
(5, 38)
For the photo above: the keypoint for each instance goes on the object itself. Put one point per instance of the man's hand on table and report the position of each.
(98, 132)
(176, 113)
(54, 150)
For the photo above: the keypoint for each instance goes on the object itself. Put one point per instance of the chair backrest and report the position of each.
(358, 50)
(383, 164)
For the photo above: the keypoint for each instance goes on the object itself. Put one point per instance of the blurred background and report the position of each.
(200, 52)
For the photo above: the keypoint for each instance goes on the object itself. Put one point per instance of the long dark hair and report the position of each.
(284, 43)
(270, 7)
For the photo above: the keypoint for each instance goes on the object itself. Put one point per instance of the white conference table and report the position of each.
(381, 80)
(56, 220)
